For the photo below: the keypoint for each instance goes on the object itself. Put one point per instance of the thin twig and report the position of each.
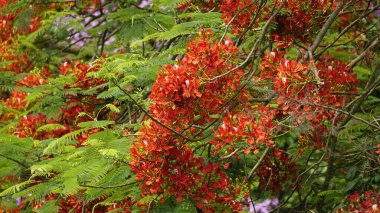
(345, 30)
(110, 187)
(255, 46)
(364, 53)
(257, 164)
(231, 154)
(325, 27)
(233, 18)
(334, 109)
(240, 39)
(16, 161)
(149, 115)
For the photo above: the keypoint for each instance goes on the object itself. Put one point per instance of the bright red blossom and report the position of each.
(363, 202)
(305, 87)
(163, 162)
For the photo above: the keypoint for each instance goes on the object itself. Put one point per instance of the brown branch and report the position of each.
(257, 164)
(334, 109)
(233, 18)
(364, 53)
(344, 93)
(231, 154)
(325, 27)
(259, 100)
(345, 30)
(103, 41)
(314, 69)
(360, 100)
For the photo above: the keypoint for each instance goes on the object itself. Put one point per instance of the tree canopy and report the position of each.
(189, 106)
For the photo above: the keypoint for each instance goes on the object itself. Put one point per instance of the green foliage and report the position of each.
(87, 157)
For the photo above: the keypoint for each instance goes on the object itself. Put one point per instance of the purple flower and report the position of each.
(145, 3)
(377, 12)
(110, 40)
(79, 38)
(96, 13)
(63, 21)
(263, 207)
(18, 201)
(275, 202)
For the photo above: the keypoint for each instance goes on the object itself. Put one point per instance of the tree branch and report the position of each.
(16, 161)
(345, 30)
(334, 109)
(364, 53)
(325, 27)
(255, 46)
(257, 164)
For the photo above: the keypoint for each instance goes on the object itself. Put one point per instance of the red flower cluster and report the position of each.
(185, 90)
(162, 161)
(16, 99)
(76, 204)
(76, 104)
(79, 103)
(28, 126)
(254, 129)
(302, 17)
(243, 9)
(366, 202)
(299, 20)
(20, 63)
(305, 88)
(79, 71)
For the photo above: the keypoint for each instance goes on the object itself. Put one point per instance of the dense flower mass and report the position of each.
(299, 21)
(303, 18)
(185, 90)
(162, 161)
(204, 106)
(305, 89)
(363, 202)
(239, 14)
(254, 129)
(16, 99)
(18, 63)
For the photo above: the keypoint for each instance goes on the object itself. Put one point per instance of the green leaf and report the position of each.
(50, 127)
(41, 169)
(70, 186)
(109, 152)
(332, 193)
(113, 108)
(16, 188)
(95, 124)
(62, 141)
